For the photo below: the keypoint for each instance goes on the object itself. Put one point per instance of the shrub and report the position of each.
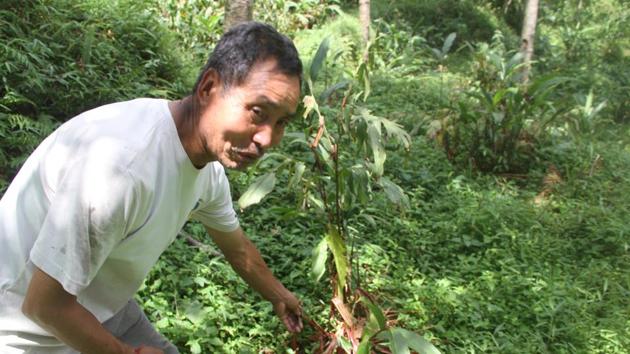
(436, 19)
(66, 56)
(62, 57)
(498, 126)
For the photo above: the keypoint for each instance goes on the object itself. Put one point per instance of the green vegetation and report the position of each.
(60, 58)
(502, 227)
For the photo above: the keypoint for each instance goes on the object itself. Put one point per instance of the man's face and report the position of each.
(239, 124)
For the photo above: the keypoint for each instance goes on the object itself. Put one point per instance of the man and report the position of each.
(101, 198)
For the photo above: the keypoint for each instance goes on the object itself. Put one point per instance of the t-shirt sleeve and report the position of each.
(87, 217)
(217, 211)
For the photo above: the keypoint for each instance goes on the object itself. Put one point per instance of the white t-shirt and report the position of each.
(97, 203)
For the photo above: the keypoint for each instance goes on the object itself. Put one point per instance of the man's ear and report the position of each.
(209, 86)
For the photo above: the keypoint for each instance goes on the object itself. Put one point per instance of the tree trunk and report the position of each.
(527, 36)
(237, 11)
(364, 19)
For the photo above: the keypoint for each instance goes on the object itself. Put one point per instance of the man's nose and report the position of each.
(264, 137)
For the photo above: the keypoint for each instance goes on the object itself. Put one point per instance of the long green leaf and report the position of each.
(448, 43)
(331, 89)
(338, 248)
(320, 255)
(378, 151)
(376, 312)
(319, 58)
(363, 77)
(297, 175)
(262, 186)
(364, 346)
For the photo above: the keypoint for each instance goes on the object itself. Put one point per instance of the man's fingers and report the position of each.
(293, 322)
(290, 312)
(290, 322)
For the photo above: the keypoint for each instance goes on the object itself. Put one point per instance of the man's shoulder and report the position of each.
(126, 123)
(113, 134)
(140, 111)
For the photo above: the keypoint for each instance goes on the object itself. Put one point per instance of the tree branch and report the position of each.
(190, 240)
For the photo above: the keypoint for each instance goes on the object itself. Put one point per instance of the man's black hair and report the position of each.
(247, 44)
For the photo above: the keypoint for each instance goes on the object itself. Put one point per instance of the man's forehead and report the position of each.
(272, 103)
(274, 88)
(269, 67)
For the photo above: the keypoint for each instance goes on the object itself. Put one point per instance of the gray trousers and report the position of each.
(130, 325)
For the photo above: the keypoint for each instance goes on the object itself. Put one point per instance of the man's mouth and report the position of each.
(245, 155)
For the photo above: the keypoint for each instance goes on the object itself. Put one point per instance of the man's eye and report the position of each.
(258, 114)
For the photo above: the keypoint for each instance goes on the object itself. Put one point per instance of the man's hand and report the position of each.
(290, 312)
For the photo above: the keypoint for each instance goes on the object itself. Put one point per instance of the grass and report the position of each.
(478, 263)
(475, 264)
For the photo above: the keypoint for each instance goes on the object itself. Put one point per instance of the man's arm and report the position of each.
(246, 260)
(57, 311)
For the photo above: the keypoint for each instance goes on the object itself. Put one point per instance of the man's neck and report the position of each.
(186, 117)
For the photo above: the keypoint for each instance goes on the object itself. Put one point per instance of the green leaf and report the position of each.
(163, 323)
(516, 62)
(542, 86)
(262, 186)
(195, 348)
(396, 341)
(86, 50)
(398, 344)
(363, 77)
(320, 255)
(318, 60)
(344, 344)
(364, 346)
(396, 130)
(194, 311)
(437, 53)
(413, 341)
(316, 202)
(338, 248)
(331, 89)
(216, 342)
(297, 175)
(448, 43)
(394, 192)
(360, 183)
(498, 97)
(378, 151)
(376, 312)
(295, 138)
